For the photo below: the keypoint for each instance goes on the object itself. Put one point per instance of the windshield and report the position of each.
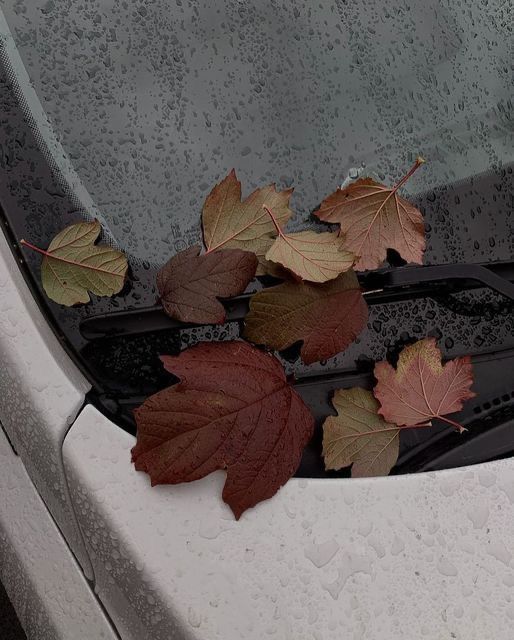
(130, 112)
(151, 103)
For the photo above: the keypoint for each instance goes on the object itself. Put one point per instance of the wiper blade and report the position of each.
(379, 287)
(498, 276)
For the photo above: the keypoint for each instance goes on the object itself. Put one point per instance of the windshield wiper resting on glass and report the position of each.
(379, 287)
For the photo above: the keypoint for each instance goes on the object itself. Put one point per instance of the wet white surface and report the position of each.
(386, 558)
(44, 582)
(41, 392)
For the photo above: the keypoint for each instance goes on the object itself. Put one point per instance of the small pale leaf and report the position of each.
(359, 436)
(73, 265)
(316, 257)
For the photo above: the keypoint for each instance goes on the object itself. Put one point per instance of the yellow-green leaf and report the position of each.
(316, 257)
(359, 436)
(231, 223)
(73, 265)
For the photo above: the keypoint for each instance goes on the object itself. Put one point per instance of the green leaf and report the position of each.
(73, 265)
(359, 436)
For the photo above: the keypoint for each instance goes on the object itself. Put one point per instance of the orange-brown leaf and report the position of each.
(421, 388)
(374, 218)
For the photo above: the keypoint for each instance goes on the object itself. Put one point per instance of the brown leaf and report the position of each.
(229, 223)
(327, 317)
(316, 257)
(421, 388)
(189, 284)
(233, 410)
(73, 265)
(359, 436)
(375, 218)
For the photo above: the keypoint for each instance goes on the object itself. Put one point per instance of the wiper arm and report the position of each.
(379, 287)
(497, 276)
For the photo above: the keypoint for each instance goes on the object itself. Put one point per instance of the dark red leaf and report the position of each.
(189, 284)
(327, 317)
(233, 409)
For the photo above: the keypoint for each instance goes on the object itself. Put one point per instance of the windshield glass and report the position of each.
(150, 103)
(130, 112)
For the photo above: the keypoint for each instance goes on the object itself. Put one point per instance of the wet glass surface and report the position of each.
(153, 102)
(145, 105)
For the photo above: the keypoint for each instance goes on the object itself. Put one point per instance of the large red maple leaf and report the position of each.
(233, 409)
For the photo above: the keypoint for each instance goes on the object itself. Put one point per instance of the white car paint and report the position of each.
(41, 392)
(46, 585)
(426, 555)
(415, 556)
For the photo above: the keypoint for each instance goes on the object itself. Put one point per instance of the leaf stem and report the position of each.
(34, 248)
(74, 263)
(274, 220)
(413, 169)
(457, 426)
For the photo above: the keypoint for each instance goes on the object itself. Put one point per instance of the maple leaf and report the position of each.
(233, 409)
(189, 284)
(359, 436)
(421, 388)
(316, 257)
(73, 265)
(231, 223)
(327, 317)
(374, 218)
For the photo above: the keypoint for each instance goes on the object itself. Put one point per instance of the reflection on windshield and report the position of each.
(153, 103)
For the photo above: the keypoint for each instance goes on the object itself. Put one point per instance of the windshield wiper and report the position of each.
(379, 287)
